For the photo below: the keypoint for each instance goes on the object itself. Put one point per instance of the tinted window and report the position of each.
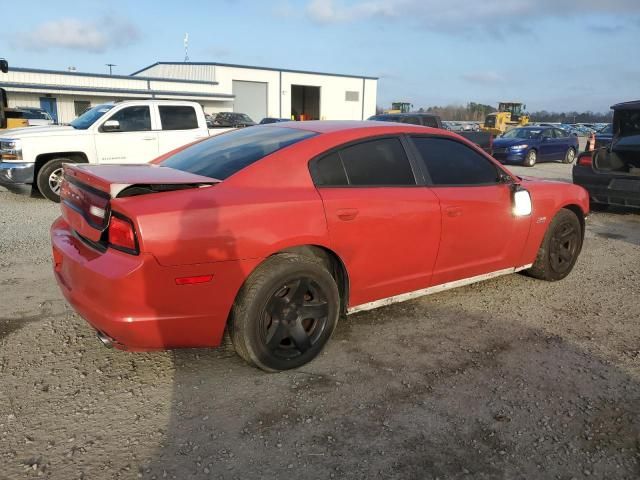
(178, 117)
(223, 155)
(547, 133)
(133, 119)
(329, 171)
(452, 163)
(429, 122)
(377, 162)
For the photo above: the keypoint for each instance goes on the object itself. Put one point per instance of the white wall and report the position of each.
(333, 105)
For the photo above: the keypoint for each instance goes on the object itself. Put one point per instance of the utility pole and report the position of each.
(110, 65)
(186, 47)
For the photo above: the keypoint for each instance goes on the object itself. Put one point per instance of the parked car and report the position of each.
(215, 236)
(34, 118)
(424, 119)
(529, 145)
(453, 126)
(611, 173)
(232, 120)
(483, 139)
(268, 120)
(604, 136)
(134, 131)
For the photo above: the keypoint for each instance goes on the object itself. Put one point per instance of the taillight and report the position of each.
(122, 235)
(585, 159)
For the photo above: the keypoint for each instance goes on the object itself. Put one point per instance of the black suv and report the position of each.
(424, 119)
(611, 174)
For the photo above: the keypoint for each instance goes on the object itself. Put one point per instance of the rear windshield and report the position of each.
(223, 155)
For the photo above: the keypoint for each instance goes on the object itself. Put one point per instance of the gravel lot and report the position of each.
(511, 378)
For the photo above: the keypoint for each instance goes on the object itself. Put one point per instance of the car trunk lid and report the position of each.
(87, 191)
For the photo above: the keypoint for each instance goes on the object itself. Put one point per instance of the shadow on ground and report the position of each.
(444, 395)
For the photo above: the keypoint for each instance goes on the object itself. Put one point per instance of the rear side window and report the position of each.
(452, 163)
(177, 117)
(381, 162)
(329, 171)
(223, 155)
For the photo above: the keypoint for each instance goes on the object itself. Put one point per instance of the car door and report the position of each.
(547, 145)
(480, 233)
(179, 126)
(562, 143)
(381, 222)
(131, 140)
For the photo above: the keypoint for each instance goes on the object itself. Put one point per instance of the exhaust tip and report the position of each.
(105, 339)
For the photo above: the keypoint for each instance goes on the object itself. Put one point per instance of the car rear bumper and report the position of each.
(607, 188)
(16, 172)
(136, 302)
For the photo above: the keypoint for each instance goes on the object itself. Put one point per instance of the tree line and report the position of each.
(477, 112)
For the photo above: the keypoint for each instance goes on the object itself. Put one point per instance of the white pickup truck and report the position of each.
(135, 131)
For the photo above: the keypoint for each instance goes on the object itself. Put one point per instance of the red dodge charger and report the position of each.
(275, 231)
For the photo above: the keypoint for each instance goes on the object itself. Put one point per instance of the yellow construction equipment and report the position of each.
(4, 121)
(400, 107)
(508, 116)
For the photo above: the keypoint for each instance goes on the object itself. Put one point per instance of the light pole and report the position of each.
(110, 65)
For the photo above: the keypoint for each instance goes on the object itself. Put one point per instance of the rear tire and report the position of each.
(49, 178)
(570, 156)
(560, 248)
(285, 313)
(531, 158)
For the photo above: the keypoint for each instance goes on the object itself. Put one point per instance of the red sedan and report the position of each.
(275, 231)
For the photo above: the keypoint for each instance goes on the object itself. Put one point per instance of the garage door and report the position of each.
(251, 98)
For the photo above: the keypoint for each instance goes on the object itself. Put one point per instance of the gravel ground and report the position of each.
(511, 378)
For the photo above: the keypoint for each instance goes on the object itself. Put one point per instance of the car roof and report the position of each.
(330, 126)
(633, 105)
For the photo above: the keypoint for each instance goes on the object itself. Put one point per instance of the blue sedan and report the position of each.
(529, 145)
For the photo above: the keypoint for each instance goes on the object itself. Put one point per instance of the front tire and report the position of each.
(570, 156)
(560, 248)
(285, 313)
(531, 158)
(49, 179)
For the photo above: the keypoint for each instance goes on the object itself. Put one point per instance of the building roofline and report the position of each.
(104, 75)
(254, 67)
(128, 91)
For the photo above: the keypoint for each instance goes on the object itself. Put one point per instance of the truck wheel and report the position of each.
(531, 158)
(560, 247)
(285, 313)
(49, 178)
(570, 156)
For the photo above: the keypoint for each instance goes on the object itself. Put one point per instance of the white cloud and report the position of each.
(94, 36)
(463, 14)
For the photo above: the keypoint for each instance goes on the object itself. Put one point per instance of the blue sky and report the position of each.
(550, 54)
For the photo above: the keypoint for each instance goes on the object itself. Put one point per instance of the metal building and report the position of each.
(257, 91)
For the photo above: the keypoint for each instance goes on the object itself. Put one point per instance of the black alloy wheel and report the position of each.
(285, 312)
(563, 247)
(294, 318)
(560, 247)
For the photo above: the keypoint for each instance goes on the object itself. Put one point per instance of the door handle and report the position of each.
(148, 138)
(454, 211)
(347, 214)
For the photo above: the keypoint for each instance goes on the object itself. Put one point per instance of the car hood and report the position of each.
(44, 131)
(511, 142)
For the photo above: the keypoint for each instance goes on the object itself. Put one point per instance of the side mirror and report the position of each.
(111, 126)
(4, 66)
(522, 206)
